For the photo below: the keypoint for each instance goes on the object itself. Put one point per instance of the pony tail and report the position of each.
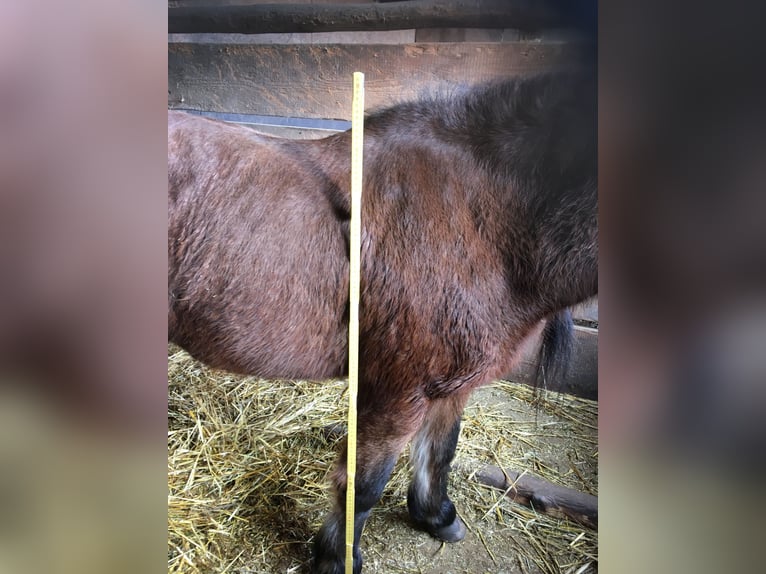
(555, 351)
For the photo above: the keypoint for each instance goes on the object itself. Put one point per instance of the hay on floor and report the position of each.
(248, 461)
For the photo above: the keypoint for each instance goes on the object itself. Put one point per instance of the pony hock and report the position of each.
(480, 220)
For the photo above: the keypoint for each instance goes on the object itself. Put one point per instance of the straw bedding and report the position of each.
(248, 461)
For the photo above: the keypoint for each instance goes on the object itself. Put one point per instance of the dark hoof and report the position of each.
(327, 561)
(454, 532)
(335, 566)
(329, 550)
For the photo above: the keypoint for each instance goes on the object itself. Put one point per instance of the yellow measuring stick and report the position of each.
(355, 241)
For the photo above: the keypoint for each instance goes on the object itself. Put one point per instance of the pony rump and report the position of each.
(555, 354)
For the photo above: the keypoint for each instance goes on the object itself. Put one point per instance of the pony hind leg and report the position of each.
(382, 435)
(432, 452)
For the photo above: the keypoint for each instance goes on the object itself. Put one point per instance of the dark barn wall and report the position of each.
(301, 80)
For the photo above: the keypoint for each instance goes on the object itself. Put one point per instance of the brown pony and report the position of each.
(479, 220)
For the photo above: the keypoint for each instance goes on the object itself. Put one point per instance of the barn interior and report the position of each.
(248, 459)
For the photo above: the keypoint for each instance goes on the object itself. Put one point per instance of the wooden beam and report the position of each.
(542, 495)
(275, 18)
(582, 376)
(313, 81)
(586, 313)
(375, 37)
(179, 3)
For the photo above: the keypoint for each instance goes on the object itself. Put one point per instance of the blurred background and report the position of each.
(682, 350)
(82, 282)
(682, 355)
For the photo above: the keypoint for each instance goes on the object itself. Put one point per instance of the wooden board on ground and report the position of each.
(542, 495)
(314, 81)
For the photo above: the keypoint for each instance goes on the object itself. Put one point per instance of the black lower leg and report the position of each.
(330, 541)
(330, 547)
(429, 506)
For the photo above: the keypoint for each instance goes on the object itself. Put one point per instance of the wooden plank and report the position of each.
(543, 496)
(582, 378)
(277, 18)
(301, 132)
(586, 313)
(314, 81)
(374, 37)
(179, 3)
(498, 35)
(459, 35)
(468, 35)
(290, 132)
